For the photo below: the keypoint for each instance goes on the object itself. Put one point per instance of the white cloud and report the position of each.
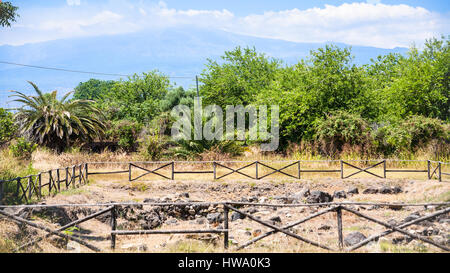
(370, 24)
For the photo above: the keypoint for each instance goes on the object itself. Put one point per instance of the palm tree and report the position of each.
(57, 123)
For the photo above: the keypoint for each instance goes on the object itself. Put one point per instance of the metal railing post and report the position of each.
(113, 227)
(225, 226)
(339, 226)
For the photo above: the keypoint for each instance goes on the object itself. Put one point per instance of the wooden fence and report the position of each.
(336, 208)
(48, 183)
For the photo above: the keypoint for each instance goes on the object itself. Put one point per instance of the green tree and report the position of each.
(8, 14)
(417, 84)
(93, 89)
(56, 123)
(136, 99)
(238, 79)
(310, 90)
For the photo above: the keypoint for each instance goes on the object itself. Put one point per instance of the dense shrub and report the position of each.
(126, 133)
(153, 147)
(412, 133)
(22, 148)
(341, 128)
(7, 127)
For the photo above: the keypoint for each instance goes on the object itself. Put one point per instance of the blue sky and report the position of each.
(378, 23)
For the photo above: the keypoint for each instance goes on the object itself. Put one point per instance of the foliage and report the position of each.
(153, 147)
(190, 149)
(93, 89)
(8, 14)
(56, 123)
(22, 148)
(136, 99)
(238, 79)
(410, 134)
(308, 91)
(417, 84)
(341, 128)
(126, 132)
(7, 127)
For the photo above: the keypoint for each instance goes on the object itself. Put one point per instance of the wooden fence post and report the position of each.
(1, 191)
(339, 226)
(225, 226)
(39, 185)
(299, 172)
(129, 171)
(342, 169)
(440, 173)
(50, 178)
(73, 176)
(214, 169)
(18, 187)
(113, 227)
(58, 180)
(173, 170)
(428, 168)
(30, 192)
(67, 177)
(86, 172)
(384, 168)
(256, 170)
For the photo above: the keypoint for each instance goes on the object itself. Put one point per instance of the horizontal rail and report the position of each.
(227, 202)
(140, 232)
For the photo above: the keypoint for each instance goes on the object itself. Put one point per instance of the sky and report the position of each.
(377, 23)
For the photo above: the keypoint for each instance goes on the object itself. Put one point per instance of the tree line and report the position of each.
(396, 105)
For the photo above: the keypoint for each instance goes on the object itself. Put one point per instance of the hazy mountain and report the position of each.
(176, 52)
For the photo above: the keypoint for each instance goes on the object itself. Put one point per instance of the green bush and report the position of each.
(22, 148)
(410, 134)
(126, 133)
(341, 128)
(152, 147)
(7, 127)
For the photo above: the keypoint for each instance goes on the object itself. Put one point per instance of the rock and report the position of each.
(301, 194)
(354, 238)
(411, 217)
(56, 214)
(324, 227)
(184, 195)
(151, 200)
(385, 190)
(353, 190)
(430, 231)
(151, 221)
(275, 219)
(392, 222)
(172, 221)
(395, 207)
(208, 238)
(397, 189)
(201, 220)
(339, 194)
(214, 217)
(236, 215)
(73, 247)
(370, 191)
(252, 210)
(134, 247)
(319, 197)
